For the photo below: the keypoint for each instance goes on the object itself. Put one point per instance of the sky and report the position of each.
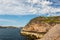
(20, 12)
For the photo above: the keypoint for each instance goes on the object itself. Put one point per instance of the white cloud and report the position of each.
(24, 7)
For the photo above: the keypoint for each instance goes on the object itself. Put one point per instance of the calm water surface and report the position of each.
(11, 34)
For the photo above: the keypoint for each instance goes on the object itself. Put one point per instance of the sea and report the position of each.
(11, 34)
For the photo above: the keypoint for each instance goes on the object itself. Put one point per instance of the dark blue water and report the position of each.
(11, 34)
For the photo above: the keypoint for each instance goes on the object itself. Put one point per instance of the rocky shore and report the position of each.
(38, 27)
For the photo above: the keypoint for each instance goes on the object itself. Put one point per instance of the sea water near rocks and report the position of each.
(11, 34)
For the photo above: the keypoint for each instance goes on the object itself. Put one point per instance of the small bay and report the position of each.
(11, 34)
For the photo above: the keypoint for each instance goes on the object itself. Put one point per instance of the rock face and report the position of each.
(39, 26)
(53, 33)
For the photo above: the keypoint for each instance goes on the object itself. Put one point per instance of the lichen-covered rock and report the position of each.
(53, 33)
(39, 26)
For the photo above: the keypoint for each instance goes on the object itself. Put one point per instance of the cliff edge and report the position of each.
(39, 26)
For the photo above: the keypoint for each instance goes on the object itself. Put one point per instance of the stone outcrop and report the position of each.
(53, 33)
(39, 26)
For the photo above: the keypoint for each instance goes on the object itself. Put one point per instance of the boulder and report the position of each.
(52, 34)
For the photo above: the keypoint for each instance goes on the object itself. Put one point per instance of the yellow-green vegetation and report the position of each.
(41, 19)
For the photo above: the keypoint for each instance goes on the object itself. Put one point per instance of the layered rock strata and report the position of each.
(39, 26)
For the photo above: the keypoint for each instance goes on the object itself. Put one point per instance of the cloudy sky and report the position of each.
(19, 12)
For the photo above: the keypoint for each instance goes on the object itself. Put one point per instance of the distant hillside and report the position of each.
(7, 27)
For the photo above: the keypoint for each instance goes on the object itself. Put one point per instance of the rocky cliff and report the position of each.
(53, 33)
(39, 26)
